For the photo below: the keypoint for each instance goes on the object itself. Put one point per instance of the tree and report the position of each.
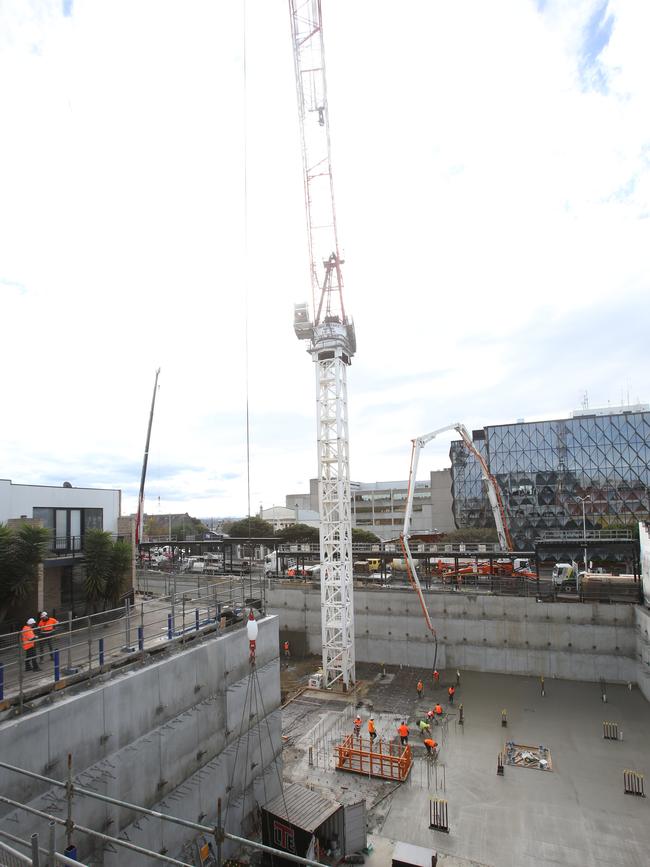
(121, 559)
(298, 533)
(364, 536)
(21, 552)
(252, 526)
(107, 564)
(98, 550)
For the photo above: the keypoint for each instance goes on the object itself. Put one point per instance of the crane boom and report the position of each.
(139, 520)
(331, 344)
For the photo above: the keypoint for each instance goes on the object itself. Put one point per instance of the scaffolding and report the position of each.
(385, 760)
(216, 832)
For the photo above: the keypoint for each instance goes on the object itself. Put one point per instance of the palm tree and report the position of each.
(21, 553)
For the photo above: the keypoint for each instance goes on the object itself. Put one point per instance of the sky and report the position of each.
(491, 169)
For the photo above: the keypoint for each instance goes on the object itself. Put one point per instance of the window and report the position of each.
(68, 526)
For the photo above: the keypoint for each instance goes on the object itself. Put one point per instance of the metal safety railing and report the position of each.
(83, 647)
(10, 857)
(543, 588)
(217, 831)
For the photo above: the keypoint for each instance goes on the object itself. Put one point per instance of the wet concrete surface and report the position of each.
(576, 814)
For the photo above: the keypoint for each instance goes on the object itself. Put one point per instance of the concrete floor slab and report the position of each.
(577, 814)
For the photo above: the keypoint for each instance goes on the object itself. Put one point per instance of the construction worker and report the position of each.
(285, 647)
(403, 732)
(424, 727)
(451, 691)
(28, 643)
(436, 678)
(420, 688)
(357, 725)
(438, 710)
(46, 626)
(372, 733)
(431, 746)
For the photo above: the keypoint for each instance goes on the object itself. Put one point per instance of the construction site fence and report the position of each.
(492, 585)
(86, 646)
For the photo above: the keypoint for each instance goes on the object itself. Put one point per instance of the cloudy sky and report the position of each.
(492, 175)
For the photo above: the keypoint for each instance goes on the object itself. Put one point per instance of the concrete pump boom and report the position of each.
(494, 496)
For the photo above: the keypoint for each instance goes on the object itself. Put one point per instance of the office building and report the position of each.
(547, 471)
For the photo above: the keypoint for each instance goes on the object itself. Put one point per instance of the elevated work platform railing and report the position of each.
(386, 760)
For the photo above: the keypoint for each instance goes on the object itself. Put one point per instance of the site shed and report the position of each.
(305, 823)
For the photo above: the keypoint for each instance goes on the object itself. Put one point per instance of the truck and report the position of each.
(565, 575)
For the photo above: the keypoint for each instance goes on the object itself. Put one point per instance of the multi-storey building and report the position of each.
(379, 506)
(67, 512)
(547, 471)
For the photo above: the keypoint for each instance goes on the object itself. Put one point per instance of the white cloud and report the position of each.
(483, 192)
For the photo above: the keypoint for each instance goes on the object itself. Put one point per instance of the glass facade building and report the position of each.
(543, 468)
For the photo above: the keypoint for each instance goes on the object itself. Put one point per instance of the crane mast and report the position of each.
(331, 344)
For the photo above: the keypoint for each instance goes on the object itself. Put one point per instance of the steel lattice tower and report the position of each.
(332, 344)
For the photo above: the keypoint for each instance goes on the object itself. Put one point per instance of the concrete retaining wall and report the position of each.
(643, 650)
(166, 736)
(482, 633)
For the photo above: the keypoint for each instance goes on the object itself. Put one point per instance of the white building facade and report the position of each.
(68, 513)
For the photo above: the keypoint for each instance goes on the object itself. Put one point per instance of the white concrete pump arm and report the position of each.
(494, 496)
(418, 444)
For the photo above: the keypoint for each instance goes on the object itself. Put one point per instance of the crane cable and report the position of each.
(252, 680)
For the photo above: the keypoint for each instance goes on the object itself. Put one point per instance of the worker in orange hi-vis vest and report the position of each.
(420, 688)
(438, 710)
(46, 625)
(436, 678)
(403, 732)
(451, 691)
(357, 725)
(372, 733)
(287, 652)
(431, 746)
(28, 644)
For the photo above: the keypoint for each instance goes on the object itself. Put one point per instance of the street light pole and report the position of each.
(583, 500)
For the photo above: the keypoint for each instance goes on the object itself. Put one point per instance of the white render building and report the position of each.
(67, 512)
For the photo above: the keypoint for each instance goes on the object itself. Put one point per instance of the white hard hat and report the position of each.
(43, 613)
(31, 621)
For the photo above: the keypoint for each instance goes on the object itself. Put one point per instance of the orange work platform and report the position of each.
(389, 761)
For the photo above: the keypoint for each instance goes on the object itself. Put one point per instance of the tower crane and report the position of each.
(494, 496)
(331, 344)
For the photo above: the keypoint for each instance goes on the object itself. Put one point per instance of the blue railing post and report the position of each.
(101, 652)
(2, 681)
(140, 638)
(57, 667)
(196, 619)
(169, 627)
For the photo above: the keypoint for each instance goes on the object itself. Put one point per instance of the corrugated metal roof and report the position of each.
(302, 807)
